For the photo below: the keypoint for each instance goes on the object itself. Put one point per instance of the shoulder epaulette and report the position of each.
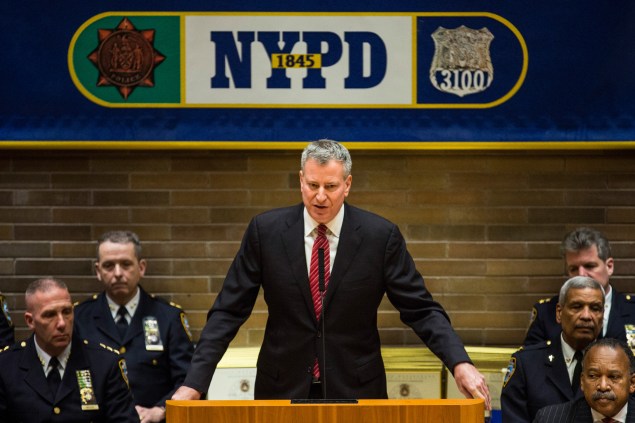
(164, 301)
(544, 300)
(104, 346)
(532, 347)
(90, 299)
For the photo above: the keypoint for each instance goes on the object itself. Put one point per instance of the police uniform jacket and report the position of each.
(536, 377)
(154, 372)
(544, 326)
(6, 325)
(26, 398)
(371, 261)
(577, 411)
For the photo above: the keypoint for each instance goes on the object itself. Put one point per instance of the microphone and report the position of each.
(322, 289)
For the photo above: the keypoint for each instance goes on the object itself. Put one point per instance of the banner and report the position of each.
(436, 74)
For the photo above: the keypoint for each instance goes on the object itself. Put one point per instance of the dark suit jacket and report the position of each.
(538, 378)
(25, 395)
(154, 375)
(544, 326)
(371, 261)
(577, 411)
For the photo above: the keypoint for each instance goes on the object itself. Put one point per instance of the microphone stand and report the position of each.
(322, 288)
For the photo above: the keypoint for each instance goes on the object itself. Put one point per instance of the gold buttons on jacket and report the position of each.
(57, 410)
(122, 350)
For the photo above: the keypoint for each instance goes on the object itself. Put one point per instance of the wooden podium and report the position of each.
(367, 411)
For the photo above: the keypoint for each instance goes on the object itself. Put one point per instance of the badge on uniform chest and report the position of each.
(151, 334)
(630, 335)
(86, 392)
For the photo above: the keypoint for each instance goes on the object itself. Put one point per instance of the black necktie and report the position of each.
(575, 381)
(122, 323)
(53, 377)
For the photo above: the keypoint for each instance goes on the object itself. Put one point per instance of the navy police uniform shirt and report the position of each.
(94, 387)
(543, 324)
(537, 376)
(157, 346)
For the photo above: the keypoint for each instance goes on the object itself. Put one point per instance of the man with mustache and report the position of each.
(586, 252)
(56, 376)
(608, 380)
(548, 373)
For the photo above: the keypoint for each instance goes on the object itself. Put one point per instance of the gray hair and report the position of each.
(121, 237)
(579, 282)
(583, 238)
(42, 285)
(325, 150)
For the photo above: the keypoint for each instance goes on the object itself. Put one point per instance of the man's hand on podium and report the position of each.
(186, 393)
(471, 383)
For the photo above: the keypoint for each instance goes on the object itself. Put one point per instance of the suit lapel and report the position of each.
(615, 313)
(76, 361)
(34, 374)
(103, 320)
(293, 241)
(136, 325)
(558, 374)
(630, 414)
(349, 243)
(581, 412)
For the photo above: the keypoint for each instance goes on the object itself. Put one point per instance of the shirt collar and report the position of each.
(334, 226)
(608, 297)
(131, 305)
(567, 351)
(44, 357)
(619, 417)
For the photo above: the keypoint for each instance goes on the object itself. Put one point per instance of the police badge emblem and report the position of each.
(126, 57)
(511, 368)
(87, 394)
(186, 326)
(152, 334)
(123, 368)
(461, 64)
(5, 310)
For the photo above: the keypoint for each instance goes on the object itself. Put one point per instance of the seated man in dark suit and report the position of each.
(548, 373)
(55, 376)
(608, 382)
(586, 252)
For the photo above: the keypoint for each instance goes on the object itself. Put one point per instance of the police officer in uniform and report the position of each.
(549, 372)
(587, 253)
(151, 334)
(54, 376)
(7, 331)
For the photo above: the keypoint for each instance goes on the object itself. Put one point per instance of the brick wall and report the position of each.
(484, 227)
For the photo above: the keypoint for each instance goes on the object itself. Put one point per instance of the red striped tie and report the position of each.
(320, 242)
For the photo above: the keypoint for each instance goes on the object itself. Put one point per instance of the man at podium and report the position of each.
(324, 267)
